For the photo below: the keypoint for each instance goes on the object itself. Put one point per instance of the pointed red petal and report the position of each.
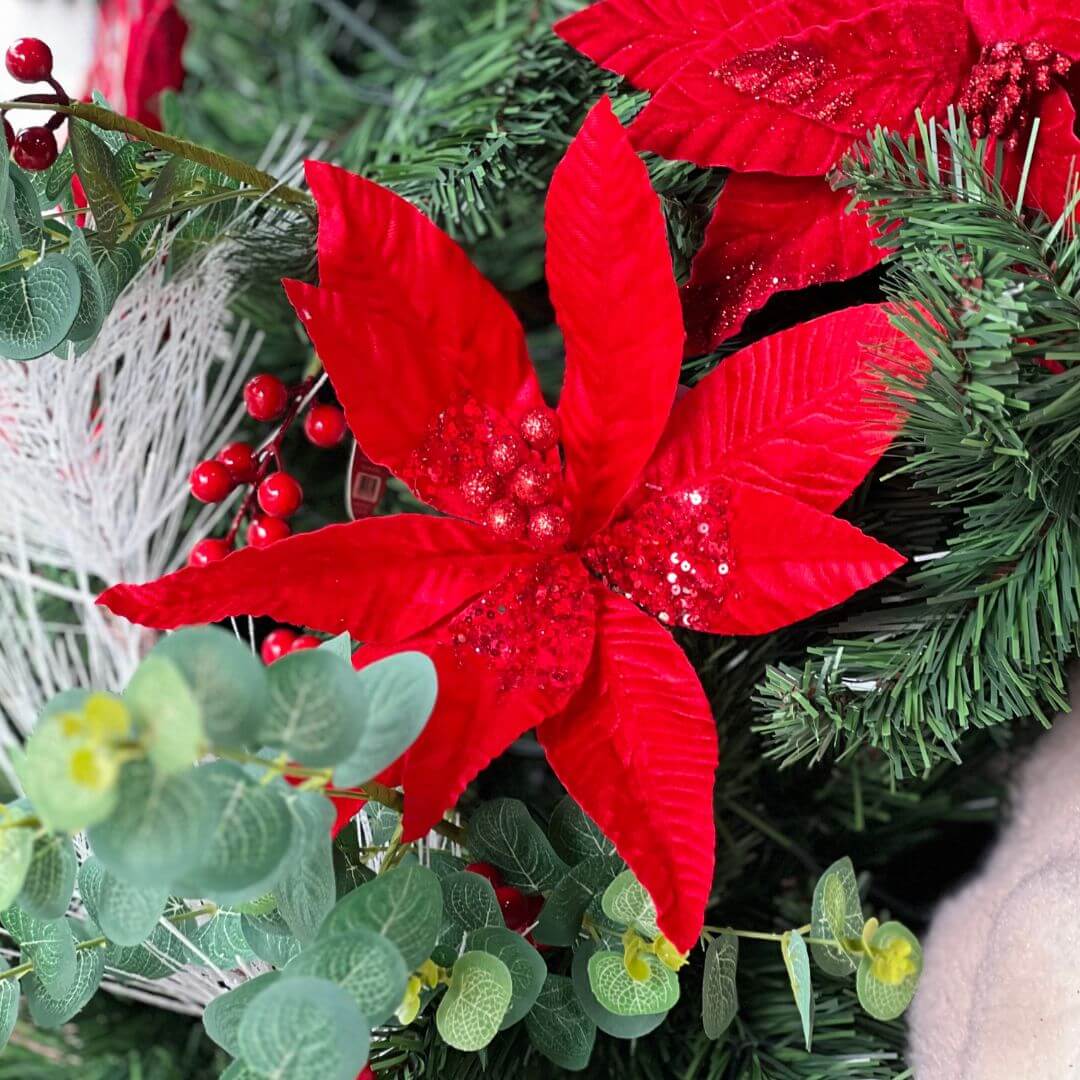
(769, 234)
(612, 285)
(789, 561)
(381, 579)
(1051, 21)
(799, 412)
(637, 750)
(1057, 155)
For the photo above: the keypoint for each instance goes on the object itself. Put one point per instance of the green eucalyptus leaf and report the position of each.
(526, 966)
(563, 910)
(167, 714)
(116, 266)
(304, 1028)
(157, 830)
(103, 180)
(10, 235)
(38, 305)
(248, 839)
(269, 938)
(443, 863)
(623, 995)
(126, 913)
(50, 880)
(317, 708)
(889, 973)
(404, 904)
(162, 954)
(16, 851)
(58, 177)
(469, 902)
(382, 822)
(363, 963)
(307, 890)
(9, 1005)
(559, 1027)
(503, 833)
(221, 938)
(225, 678)
(610, 1023)
(626, 903)
(27, 207)
(340, 646)
(719, 993)
(92, 306)
(48, 944)
(837, 915)
(51, 1007)
(223, 1015)
(472, 1009)
(400, 692)
(797, 962)
(574, 835)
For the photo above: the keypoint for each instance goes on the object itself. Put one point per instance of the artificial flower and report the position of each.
(575, 541)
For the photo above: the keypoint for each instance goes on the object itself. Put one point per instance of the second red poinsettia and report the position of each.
(777, 91)
(578, 538)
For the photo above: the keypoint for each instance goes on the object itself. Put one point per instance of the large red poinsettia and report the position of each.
(777, 90)
(574, 539)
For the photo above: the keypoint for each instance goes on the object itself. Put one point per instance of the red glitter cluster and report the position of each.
(1003, 86)
(671, 556)
(534, 628)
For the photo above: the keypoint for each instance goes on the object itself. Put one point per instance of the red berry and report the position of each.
(9, 133)
(506, 519)
(366, 1073)
(276, 644)
(265, 397)
(540, 429)
(35, 149)
(548, 526)
(485, 870)
(280, 495)
(325, 426)
(532, 484)
(239, 459)
(29, 60)
(209, 551)
(504, 454)
(519, 911)
(265, 530)
(305, 641)
(481, 487)
(210, 481)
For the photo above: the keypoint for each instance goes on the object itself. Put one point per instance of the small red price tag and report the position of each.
(366, 484)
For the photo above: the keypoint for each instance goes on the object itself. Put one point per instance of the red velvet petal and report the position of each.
(637, 750)
(799, 412)
(1056, 163)
(768, 234)
(1053, 21)
(610, 276)
(790, 561)
(381, 579)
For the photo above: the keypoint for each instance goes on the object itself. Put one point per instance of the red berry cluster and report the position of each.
(517, 491)
(518, 910)
(274, 495)
(281, 641)
(30, 60)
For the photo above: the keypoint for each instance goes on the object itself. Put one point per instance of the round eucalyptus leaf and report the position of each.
(837, 915)
(469, 901)
(503, 833)
(559, 1027)
(38, 305)
(574, 835)
(167, 714)
(618, 992)
(887, 977)
(9, 1005)
(162, 954)
(307, 889)
(50, 880)
(126, 913)
(400, 692)
(221, 939)
(116, 266)
(48, 944)
(27, 208)
(49, 1007)
(269, 938)
(526, 966)
(317, 708)
(92, 308)
(626, 903)
(719, 993)
(363, 963)
(472, 1009)
(225, 678)
(610, 1023)
(158, 828)
(223, 1015)
(16, 850)
(566, 904)
(304, 1028)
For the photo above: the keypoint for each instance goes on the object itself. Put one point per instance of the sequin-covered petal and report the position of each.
(1054, 22)
(609, 272)
(769, 234)
(637, 750)
(798, 412)
(381, 579)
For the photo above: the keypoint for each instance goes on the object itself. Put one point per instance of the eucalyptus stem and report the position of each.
(223, 163)
(760, 935)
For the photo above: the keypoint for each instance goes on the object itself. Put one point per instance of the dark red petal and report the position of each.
(637, 750)
(381, 579)
(800, 412)
(790, 561)
(610, 276)
(1053, 21)
(768, 234)
(1056, 163)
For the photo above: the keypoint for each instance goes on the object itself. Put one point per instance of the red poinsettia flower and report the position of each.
(776, 91)
(137, 55)
(575, 539)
